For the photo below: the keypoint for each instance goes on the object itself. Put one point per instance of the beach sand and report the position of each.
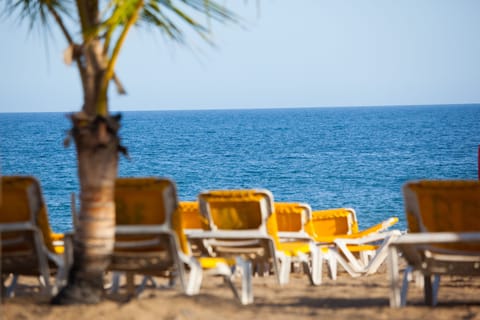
(345, 298)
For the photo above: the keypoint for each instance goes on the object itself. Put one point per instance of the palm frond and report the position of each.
(156, 17)
(169, 16)
(121, 13)
(213, 10)
(35, 12)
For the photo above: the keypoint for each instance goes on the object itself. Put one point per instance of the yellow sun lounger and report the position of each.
(145, 239)
(28, 245)
(192, 220)
(444, 235)
(292, 219)
(150, 240)
(358, 252)
(242, 224)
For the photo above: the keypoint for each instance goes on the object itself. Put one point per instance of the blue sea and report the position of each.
(328, 157)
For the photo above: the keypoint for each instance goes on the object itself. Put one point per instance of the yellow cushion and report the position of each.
(360, 248)
(235, 209)
(446, 206)
(18, 193)
(294, 248)
(211, 263)
(332, 222)
(289, 216)
(191, 217)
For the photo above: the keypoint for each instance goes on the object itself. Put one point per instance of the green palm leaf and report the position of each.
(37, 12)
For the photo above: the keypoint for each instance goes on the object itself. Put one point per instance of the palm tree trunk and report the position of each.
(97, 145)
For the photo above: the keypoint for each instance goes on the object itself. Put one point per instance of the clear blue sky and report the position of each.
(308, 53)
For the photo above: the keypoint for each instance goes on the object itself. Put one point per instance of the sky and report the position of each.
(304, 53)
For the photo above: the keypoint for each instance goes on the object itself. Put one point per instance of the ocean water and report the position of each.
(328, 157)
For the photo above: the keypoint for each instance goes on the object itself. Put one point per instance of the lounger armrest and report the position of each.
(294, 236)
(238, 234)
(436, 237)
(326, 239)
(20, 226)
(140, 229)
(376, 228)
(369, 238)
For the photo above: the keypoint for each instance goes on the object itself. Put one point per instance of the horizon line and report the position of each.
(260, 108)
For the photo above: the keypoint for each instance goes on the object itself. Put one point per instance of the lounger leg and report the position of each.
(405, 284)
(427, 290)
(353, 263)
(431, 289)
(380, 255)
(153, 281)
(285, 266)
(317, 267)
(180, 273)
(247, 293)
(194, 279)
(142, 285)
(313, 266)
(61, 277)
(345, 264)
(332, 266)
(366, 256)
(436, 287)
(115, 282)
(228, 276)
(10, 289)
(172, 282)
(43, 264)
(395, 300)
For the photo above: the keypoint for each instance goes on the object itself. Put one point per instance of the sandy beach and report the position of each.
(345, 298)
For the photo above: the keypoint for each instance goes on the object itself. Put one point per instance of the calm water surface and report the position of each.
(327, 157)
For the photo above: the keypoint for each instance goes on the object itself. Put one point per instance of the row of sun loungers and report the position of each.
(241, 233)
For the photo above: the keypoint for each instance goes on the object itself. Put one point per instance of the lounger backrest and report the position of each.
(188, 219)
(240, 210)
(148, 201)
(292, 217)
(443, 206)
(332, 222)
(15, 205)
(191, 217)
(236, 209)
(22, 202)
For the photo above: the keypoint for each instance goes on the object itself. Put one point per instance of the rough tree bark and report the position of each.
(97, 146)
